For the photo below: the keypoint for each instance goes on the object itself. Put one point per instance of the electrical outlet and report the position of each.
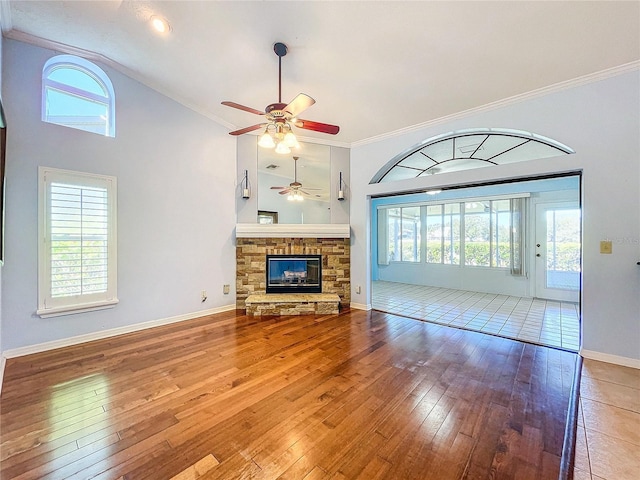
(225, 289)
(606, 246)
(203, 295)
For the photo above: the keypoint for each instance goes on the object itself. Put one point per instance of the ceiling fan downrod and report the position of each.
(281, 51)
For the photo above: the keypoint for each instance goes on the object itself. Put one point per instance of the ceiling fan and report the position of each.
(294, 190)
(280, 116)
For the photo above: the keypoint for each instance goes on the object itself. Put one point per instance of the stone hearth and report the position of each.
(293, 304)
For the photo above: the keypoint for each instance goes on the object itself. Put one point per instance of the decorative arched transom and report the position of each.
(467, 149)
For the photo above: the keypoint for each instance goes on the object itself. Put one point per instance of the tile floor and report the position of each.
(554, 324)
(608, 433)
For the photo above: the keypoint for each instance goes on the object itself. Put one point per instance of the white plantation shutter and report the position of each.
(78, 242)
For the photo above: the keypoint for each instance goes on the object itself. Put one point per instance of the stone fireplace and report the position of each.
(251, 262)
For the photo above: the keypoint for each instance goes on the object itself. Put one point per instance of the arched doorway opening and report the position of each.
(501, 258)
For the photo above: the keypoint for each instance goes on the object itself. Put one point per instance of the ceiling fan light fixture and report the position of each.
(290, 140)
(282, 148)
(266, 140)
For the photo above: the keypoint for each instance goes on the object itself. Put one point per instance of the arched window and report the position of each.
(467, 149)
(78, 94)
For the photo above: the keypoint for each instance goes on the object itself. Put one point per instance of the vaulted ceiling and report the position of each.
(372, 67)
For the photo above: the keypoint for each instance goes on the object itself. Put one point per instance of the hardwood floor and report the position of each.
(357, 395)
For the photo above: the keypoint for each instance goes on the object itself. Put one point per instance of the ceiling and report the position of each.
(372, 67)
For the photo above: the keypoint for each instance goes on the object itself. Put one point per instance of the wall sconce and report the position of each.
(340, 188)
(245, 186)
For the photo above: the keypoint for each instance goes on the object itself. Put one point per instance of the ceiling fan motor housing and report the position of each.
(276, 109)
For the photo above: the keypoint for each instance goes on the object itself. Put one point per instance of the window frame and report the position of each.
(47, 305)
(418, 249)
(515, 270)
(91, 70)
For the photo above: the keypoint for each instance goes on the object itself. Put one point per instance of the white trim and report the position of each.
(283, 230)
(9, 32)
(428, 203)
(360, 306)
(557, 87)
(71, 309)
(3, 362)
(87, 302)
(95, 73)
(89, 337)
(96, 57)
(609, 358)
(6, 24)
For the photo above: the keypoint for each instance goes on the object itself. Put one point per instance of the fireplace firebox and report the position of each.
(294, 274)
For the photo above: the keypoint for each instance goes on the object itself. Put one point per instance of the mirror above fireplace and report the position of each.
(298, 190)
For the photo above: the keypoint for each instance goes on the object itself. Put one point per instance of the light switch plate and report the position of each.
(606, 246)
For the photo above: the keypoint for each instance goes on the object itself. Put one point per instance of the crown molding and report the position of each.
(97, 57)
(556, 87)
(9, 32)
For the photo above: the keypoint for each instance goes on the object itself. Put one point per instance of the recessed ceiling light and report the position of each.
(160, 24)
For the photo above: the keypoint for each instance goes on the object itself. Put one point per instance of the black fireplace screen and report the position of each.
(294, 274)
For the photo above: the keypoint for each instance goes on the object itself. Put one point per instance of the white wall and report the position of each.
(601, 121)
(176, 203)
(1, 349)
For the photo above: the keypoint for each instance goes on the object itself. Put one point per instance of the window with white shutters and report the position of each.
(77, 263)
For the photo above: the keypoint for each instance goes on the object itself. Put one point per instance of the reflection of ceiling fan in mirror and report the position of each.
(280, 116)
(294, 190)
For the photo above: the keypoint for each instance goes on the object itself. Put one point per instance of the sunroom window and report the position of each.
(481, 232)
(78, 94)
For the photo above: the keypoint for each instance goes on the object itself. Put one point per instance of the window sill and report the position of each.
(71, 309)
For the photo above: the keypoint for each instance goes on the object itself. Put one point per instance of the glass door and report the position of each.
(558, 251)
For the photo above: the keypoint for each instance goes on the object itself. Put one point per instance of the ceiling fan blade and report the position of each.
(242, 107)
(284, 192)
(317, 126)
(247, 129)
(299, 104)
(277, 188)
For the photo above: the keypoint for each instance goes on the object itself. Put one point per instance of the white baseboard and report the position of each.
(88, 337)
(608, 358)
(360, 306)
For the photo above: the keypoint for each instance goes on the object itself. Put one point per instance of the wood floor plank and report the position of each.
(364, 395)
